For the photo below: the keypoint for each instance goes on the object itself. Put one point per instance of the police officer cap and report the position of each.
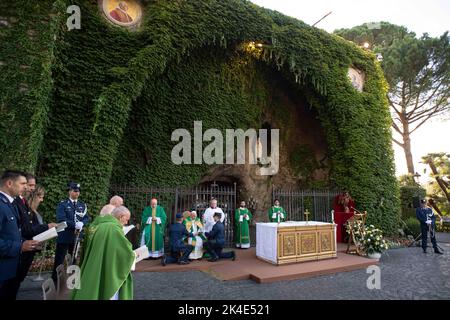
(74, 186)
(179, 216)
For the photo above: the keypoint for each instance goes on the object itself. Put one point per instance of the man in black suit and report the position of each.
(12, 184)
(216, 241)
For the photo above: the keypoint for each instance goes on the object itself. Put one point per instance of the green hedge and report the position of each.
(407, 193)
(100, 79)
(412, 227)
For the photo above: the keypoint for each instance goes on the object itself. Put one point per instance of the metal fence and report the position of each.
(175, 200)
(318, 202)
(178, 200)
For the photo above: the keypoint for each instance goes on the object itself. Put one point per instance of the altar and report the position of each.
(291, 242)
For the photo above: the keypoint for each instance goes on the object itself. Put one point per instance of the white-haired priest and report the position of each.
(107, 260)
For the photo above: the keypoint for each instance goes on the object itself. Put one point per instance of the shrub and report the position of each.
(412, 227)
(407, 193)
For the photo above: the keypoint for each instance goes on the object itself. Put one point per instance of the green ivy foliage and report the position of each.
(104, 99)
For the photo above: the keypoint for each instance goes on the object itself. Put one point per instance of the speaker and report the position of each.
(416, 202)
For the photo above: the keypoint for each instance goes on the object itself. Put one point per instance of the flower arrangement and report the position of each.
(369, 238)
(373, 240)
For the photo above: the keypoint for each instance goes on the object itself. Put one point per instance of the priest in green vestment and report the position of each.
(242, 219)
(195, 227)
(154, 221)
(277, 213)
(107, 260)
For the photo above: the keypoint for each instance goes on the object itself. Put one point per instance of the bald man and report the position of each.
(108, 260)
(107, 210)
(116, 201)
(154, 224)
(208, 220)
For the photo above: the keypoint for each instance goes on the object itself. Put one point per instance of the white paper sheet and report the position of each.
(46, 235)
(141, 253)
(61, 226)
(127, 229)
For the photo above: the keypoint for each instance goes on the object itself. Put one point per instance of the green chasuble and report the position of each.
(107, 262)
(242, 227)
(189, 224)
(274, 210)
(153, 234)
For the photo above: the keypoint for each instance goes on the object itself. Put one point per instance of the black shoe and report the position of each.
(183, 262)
(424, 250)
(437, 251)
(233, 257)
(163, 261)
(213, 259)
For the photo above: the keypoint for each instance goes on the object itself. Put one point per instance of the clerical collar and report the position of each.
(242, 207)
(10, 199)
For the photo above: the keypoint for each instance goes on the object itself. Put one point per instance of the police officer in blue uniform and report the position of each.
(427, 224)
(74, 212)
(12, 184)
(177, 234)
(216, 241)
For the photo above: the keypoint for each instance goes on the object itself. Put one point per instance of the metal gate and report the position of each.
(318, 202)
(178, 200)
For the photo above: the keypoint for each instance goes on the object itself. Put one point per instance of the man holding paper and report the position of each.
(107, 261)
(277, 213)
(242, 220)
(74, 212)
(154, 222)
(12, 184)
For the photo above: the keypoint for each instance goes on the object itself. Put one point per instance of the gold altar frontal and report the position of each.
(296, 242)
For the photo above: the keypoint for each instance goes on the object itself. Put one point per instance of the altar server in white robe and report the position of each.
(208, 220)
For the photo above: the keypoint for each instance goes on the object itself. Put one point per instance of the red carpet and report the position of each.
(247, 266)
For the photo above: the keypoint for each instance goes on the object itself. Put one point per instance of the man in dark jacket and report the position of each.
(12, 184)
(177, 234)
(74, 212)
(216, 241)
(427, 224)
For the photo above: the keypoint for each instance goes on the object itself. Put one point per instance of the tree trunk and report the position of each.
(407, 148)
(440, 182)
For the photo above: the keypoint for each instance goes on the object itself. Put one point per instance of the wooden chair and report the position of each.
(48, 290)
(356, 223)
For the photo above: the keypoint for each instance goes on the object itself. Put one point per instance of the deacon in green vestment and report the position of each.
(242, 219)
(107, 260)
(154, 220)
(277, 213)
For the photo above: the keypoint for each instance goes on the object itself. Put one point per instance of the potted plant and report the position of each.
(373, 242)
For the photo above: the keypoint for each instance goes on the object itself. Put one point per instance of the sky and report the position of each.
(420, 16)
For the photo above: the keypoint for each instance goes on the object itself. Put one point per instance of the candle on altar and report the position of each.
(332, 216)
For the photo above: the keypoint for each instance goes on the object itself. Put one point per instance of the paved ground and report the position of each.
(406, 273)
